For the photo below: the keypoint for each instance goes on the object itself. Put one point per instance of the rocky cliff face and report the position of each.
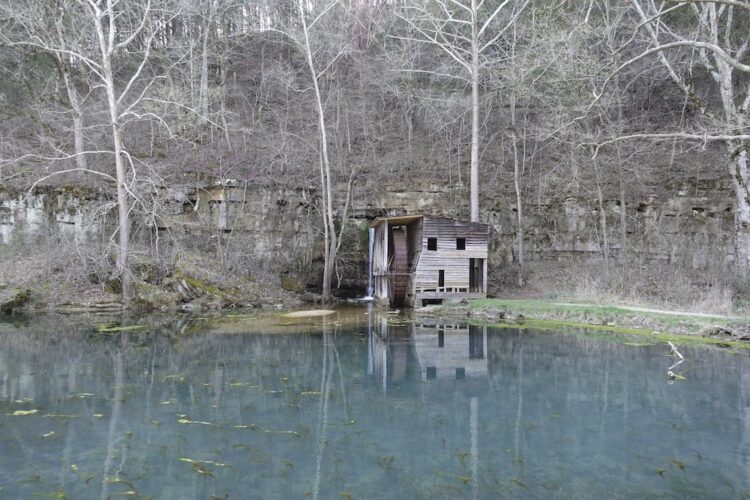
(278, 229)
(62, 212)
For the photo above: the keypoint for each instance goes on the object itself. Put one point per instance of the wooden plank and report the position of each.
(435, 295)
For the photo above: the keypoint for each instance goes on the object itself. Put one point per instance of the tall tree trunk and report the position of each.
(738, 170)
(203, 96)
(224, 122)
(325, 167)
(122, 203)
(106, 44)
(519, 211)
(75, 103)
(517, 188)
(620, 178)
(623, 213)
(602, 218)
(474, 173)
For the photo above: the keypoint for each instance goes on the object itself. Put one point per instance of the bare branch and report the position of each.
(322, 13)
(34, 156)
(704, 138)
(689, 43)
(508, 25)
(734, 3)
(647, 21)
(61, 172)
(434, 73)
(491, 18)
(137, 73)
(137, 31)
(433, 40)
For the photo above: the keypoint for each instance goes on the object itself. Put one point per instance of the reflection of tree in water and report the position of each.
(611, 403)
(534, 413)
(132, 388)
(391, 356)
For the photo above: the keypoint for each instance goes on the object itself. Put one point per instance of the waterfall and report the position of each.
(371, 246)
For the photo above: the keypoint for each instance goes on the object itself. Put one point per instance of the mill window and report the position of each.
(431, 243)
(460, 243)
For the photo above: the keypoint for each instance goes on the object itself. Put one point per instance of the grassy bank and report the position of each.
(549, 314)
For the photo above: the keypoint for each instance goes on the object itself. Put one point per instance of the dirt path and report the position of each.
(649, 310)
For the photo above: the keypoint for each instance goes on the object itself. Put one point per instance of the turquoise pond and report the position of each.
(380, 407)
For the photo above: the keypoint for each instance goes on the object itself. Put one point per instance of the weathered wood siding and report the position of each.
(380, 262)
(414, 241)
(455, 263)
(425, 265)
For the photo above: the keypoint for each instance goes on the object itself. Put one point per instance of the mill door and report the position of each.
(476, 275)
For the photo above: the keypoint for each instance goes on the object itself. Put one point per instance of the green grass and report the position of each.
(570, 306)
(616, 333)
(543, 306)
(605, 317)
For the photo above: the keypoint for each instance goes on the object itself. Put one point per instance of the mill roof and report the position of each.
(406, 219)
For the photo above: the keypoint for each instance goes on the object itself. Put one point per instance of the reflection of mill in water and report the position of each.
(433, 352)
(426, 351)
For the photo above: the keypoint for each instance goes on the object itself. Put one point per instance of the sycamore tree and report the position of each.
(110, 44)
(702, 46)
(315, 31)
(470, 33)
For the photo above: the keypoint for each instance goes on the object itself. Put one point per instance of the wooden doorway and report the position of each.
(476, 275)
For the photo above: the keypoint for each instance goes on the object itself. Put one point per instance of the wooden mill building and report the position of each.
(420, 259)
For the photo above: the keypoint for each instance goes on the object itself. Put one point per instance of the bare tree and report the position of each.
(113, 41)
(468, 31)
(713, 33)
(43, 26)
(331, 50)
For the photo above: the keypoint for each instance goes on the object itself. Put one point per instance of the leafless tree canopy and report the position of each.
(512, 98)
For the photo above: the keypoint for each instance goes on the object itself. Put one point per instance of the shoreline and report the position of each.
(659, 325)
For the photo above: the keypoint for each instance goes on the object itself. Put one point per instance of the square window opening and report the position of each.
(431, 243)
(460, 243)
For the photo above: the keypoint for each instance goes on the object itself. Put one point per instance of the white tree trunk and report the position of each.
(325, 167)
(517, 187)
(75, 103)
(78, 144)
(106, 44)
(602, 218)
(203, 96)
(122, 201)
(519, 211)
(474, 173)
(738, 170)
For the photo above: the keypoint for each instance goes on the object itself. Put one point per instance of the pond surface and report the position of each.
(388, 408)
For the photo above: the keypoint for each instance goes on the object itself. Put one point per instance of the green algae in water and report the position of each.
(184, 420)
(677, 463)
(204, 462)
(113, 328)
(82, 395)
(23, 413)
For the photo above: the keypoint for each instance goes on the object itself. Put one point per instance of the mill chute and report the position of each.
(398, 267)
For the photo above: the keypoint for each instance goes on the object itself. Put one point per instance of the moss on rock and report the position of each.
(292, 285)
(13, 298)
